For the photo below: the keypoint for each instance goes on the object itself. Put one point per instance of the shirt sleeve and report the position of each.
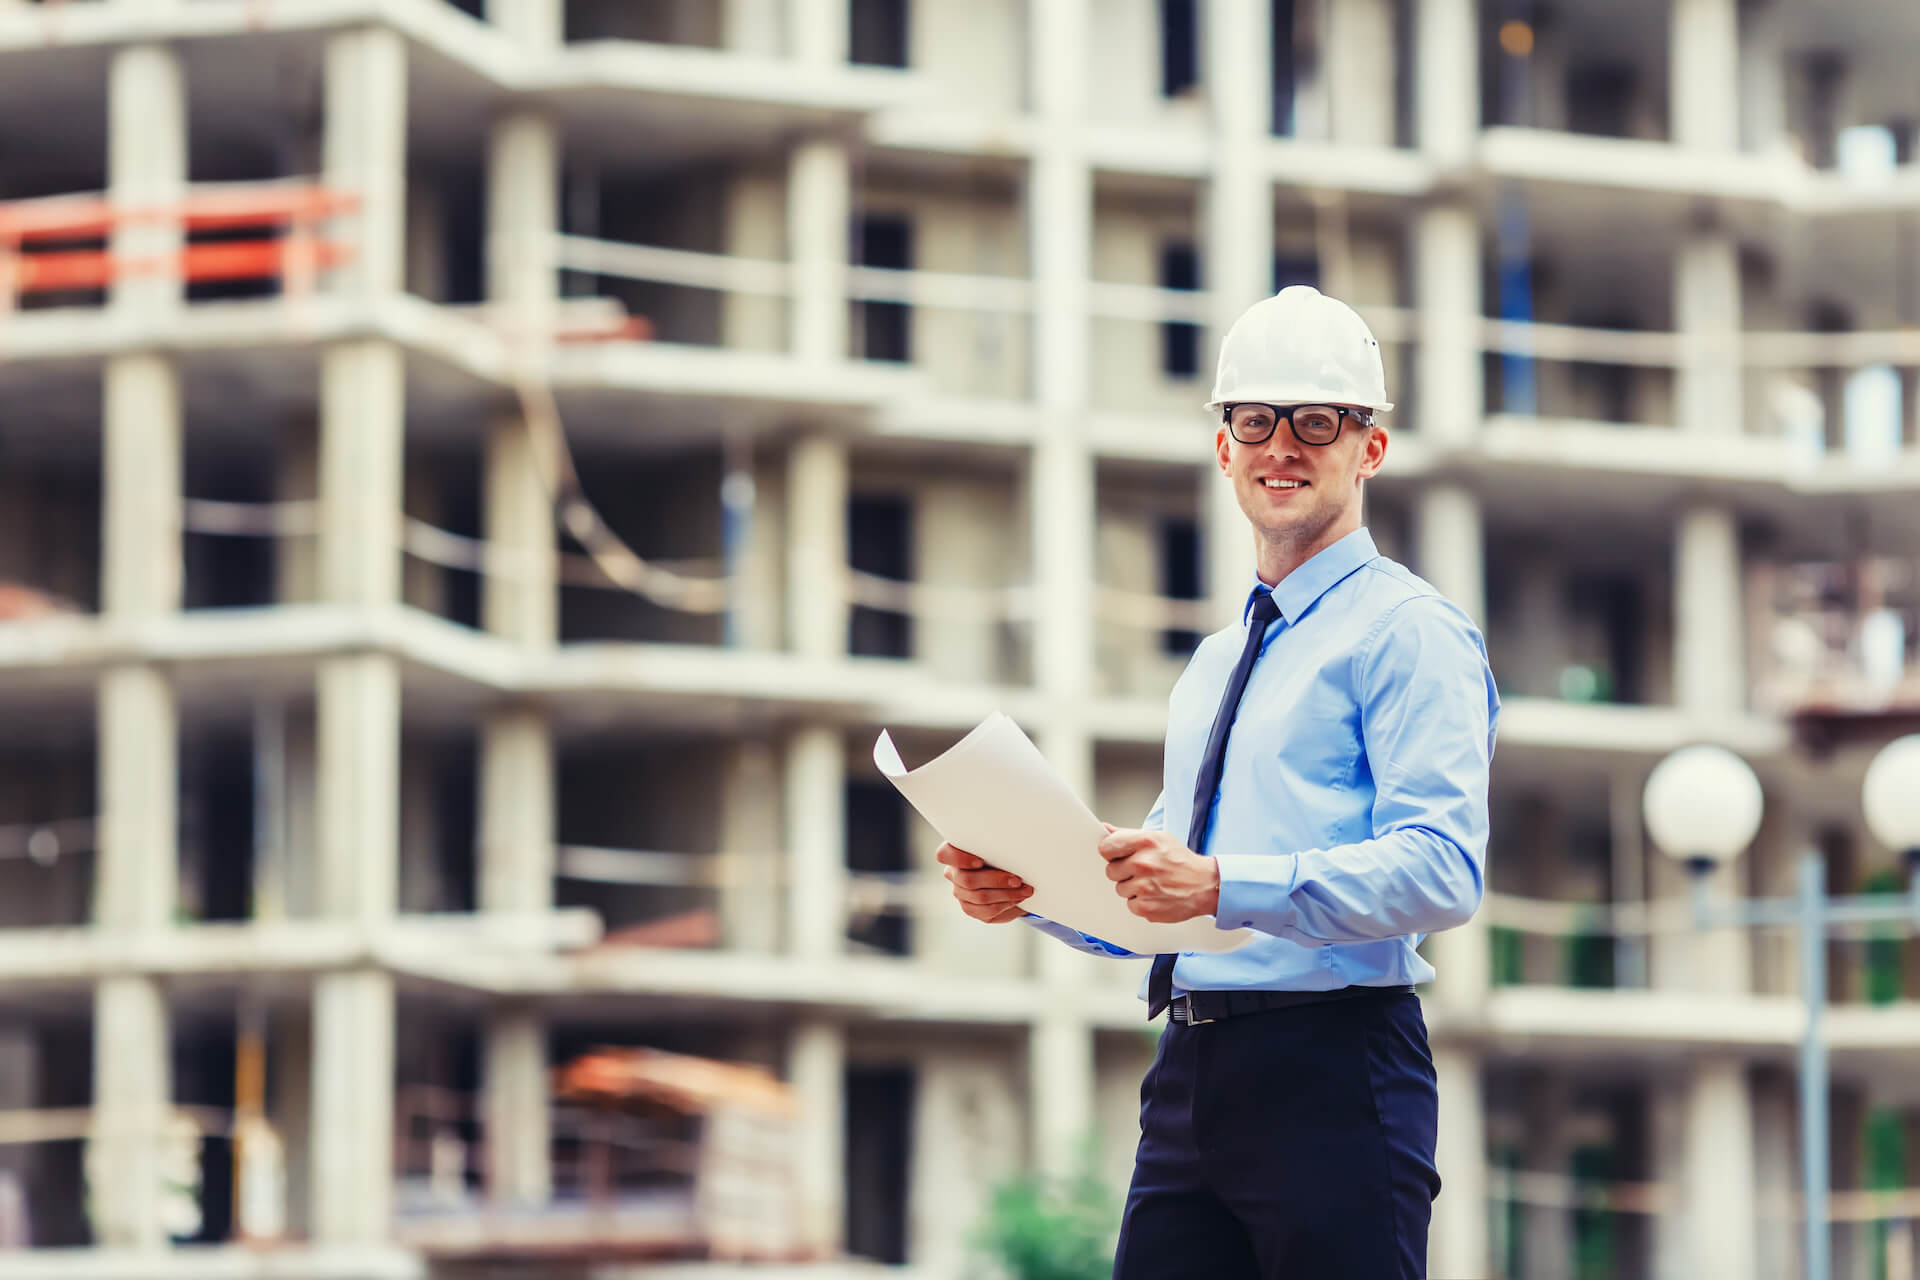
(1428, 715)
(1156, 820)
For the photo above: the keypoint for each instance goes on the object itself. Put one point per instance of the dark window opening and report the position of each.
(1290, 270)
(1179, 578)
(878, 32)
(885, 328)
(1600, 101)
(879, 1161)
(1283, 67)
(877, 846)
(1615, 603)
(880, 542)
(1179, 46)
(1179, 341)
(472, 8)
(464, 242)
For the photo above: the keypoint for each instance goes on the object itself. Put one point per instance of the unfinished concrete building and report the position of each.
(343, 798)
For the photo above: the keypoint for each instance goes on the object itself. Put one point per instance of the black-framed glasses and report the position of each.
(1314, 424)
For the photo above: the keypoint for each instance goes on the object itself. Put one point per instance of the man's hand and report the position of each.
(986, 893)
(1161, 879)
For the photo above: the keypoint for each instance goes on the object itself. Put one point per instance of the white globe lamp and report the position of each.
(1891, 798)
(1702, 805)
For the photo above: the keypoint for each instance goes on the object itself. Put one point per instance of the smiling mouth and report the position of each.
(1283, 484)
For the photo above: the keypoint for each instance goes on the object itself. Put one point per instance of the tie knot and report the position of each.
(1264, 609)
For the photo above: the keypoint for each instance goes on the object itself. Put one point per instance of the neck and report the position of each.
(1279, 555)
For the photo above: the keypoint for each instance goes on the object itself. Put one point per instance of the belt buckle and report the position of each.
(1183, 1005)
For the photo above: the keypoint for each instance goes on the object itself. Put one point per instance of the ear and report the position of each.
(1223, 450)
(1373, 452)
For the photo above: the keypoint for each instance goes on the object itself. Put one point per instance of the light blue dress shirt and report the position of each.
(1351, 818)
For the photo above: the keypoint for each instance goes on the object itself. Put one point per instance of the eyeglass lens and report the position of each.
(1312, 423)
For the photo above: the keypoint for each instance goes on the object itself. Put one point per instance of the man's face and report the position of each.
(1294, 492)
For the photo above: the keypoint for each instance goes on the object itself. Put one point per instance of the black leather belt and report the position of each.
(1197, 1007)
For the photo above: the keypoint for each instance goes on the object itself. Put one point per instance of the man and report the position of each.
(1326, 786)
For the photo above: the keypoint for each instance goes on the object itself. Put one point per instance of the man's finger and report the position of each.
(956, 857)
(986, 878)
(1120, 870)
(992, 897)
(1122, 842)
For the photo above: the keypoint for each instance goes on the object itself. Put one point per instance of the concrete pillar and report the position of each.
(365, 153)
(290, 1110)
(352, 1131)
(518, 1119)
(816, 843)
(817, 558)
(819, 31)
(1240, 247)
(1451, 546)
(523, 204)
(137, 874)
(1360, 58)
(1709, 647)
(516, 812)
(297, 559)
(1704, 79)
(521, 592)
(1706, 294)
(132, 1096)
(1721, 1219)
(146, 169)
(1458, 1245)
(1447, 81)
(1763, 77)
(819, 213)
(1450, 388)
(357, 792)
(530, 24)
(817, 1071)
(750, 841)
(1060, 1084)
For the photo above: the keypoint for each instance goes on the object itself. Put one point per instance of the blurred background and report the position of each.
(476, 477)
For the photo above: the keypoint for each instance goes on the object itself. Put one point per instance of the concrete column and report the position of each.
(516, 812)
(530, 24)
(1450, 543)
(819, 213)
(816, 843)
(1709, 664)
(1447, 81)
(147, 169)
(1060, 1084)
(1706, 294)
(819, 31)
(352, 1131)
(1704, 79)
(1721, 1220)
(521, 600)
(1360, 57)
(290, 1108)
(1763, 77)
(297, 560)
(750, 840)
(519, 1125)
(817, 483)
(362, 407)
(357, 792)
(817, 1071)
(523, 203)
(1450, 388)
(132, 1096)
(1458, 1244)
(137, 875)
(1240, 245)
(365, 153)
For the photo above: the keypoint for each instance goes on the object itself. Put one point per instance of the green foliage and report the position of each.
(1040, 1229)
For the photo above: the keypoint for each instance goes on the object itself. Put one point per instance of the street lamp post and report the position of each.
(1702, 805)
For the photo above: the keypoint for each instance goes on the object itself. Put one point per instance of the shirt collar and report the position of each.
(1306, 584)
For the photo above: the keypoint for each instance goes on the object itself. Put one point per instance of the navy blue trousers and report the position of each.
(1291, 1143)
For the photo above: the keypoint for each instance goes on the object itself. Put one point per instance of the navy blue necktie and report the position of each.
(1160, 983)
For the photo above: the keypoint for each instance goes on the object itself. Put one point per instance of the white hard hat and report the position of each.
(1300, 347)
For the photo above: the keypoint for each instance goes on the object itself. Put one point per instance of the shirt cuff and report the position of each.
(1256, 891)
(1076, 939)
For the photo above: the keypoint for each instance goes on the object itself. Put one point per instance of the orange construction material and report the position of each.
(237, 260)
(94, 217)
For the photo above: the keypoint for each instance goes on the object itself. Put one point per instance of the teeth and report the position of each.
(1284, 484)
